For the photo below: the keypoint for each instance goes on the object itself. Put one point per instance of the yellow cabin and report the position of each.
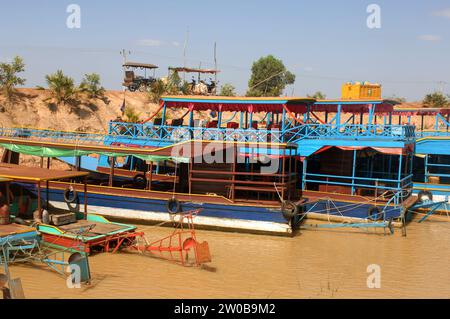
(360, 91)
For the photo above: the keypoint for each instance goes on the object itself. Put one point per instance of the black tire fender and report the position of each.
(374, 213)
(173, 206)
(68, 198)
(140, 180)
(289, 210)
(423, 195)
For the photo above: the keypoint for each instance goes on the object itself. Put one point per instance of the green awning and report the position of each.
(57, 152)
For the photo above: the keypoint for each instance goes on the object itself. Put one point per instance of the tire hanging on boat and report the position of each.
(289, 210)
(68, 198)
(140, 180)
(425, 195)
(374, 213)
(173, 206)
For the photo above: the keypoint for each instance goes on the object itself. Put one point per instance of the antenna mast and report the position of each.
(186, 40)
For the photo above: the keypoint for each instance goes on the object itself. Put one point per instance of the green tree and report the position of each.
(318, 96)
(269, 77)
(131, 115)
(9, 78)
(61, 87)
(435, 100)
(91, 85)
(157, 89)
(227, 90)
(396, 98)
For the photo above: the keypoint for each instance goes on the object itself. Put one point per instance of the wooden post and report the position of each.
(39, 200)
(190, 174)
(48, 163)
(151, 176)
(8, 202)
(283, 162)
(233, 178)
(47, 200)
(42, 162)
(85, 198)
(78, 163)
(111, 172)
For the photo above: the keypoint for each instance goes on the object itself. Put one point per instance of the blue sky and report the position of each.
(325, 43)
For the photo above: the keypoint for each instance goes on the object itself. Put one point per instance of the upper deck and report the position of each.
(281, 120)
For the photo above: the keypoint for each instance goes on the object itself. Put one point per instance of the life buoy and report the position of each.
(374, 213)
(140, 180)
(289, 210)
(173, 206)
(70, 195)
(425, 196)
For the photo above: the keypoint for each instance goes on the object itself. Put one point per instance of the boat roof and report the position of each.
(140, 65)
(421, 111)
(356, 101)
(33, 174)
(382, 106)
(193, 70)
(233, 104)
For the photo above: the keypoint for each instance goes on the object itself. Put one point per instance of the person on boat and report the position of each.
(4, 208)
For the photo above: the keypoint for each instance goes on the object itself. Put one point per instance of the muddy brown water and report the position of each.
(314, 264)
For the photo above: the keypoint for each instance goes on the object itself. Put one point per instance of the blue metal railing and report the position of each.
(362, 131)
(291, 135)
(70, 137)
(146, 134)
(394, 185)
(405, 182)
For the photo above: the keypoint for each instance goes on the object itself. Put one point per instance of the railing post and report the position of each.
(354, 172)
(305, 167)
(163, 120)
(400, 162)
(338, 116)
(283, 125)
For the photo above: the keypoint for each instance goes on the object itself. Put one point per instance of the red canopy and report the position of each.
(382, 108)
(238, 104)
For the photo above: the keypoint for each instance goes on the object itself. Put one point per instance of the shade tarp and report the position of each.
(383, 150)
(52, 152)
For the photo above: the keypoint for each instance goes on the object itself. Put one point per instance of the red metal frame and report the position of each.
(176, 247)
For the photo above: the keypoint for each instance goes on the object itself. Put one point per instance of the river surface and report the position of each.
(314, 264)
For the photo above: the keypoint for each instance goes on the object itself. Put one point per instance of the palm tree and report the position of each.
(61, 87)
(131, 115)
(157, 89)
(91, 85)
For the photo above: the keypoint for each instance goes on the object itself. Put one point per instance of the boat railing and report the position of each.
(361, 131)
(184, 133)
(290, 135)
(43, 135)
(365, 185)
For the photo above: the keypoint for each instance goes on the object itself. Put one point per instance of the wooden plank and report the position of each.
(16, 289)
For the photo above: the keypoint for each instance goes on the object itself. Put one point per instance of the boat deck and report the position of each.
(89, 229)
(85, 235)
(14, 229)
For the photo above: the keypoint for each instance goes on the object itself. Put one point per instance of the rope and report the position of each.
(350, 206)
